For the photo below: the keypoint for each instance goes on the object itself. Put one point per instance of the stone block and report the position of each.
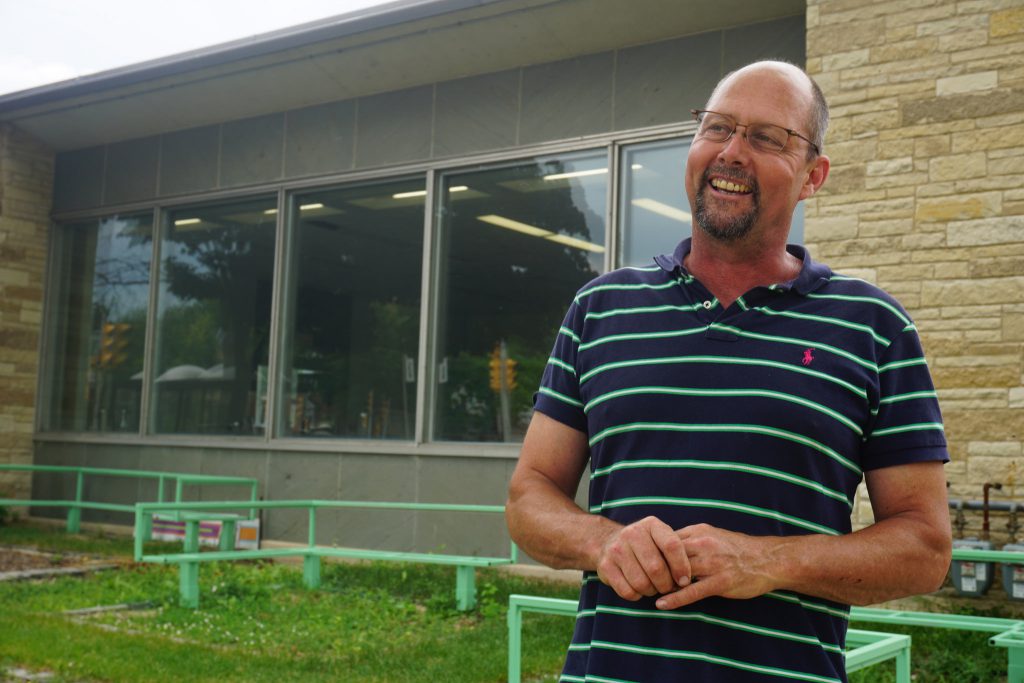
(999, 165)
(958, 207)
(962, 108)
(958, 166)
(845, 60)
(890, 166)
(952, 24)
(977, 291)
(988, 138)
(826, 40)
(831, 228)
(904, 50)
(967, 83)
(962, 40)
(1016, 399)
(1008, 22)
(882, 228)
(995, 230)
(1013, 326)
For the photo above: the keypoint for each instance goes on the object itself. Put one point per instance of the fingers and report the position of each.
(698, 590)
(644, 559)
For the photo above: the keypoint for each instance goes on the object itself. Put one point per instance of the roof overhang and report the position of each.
(389, 47)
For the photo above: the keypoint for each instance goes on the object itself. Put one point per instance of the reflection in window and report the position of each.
(655, 213)
(97, 342)
(213, 321)
(515, 244)
(353, 307)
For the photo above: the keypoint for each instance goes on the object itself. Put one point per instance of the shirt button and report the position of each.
(707, 305)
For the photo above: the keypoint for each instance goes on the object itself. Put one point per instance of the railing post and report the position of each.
(311, 570)
(903, 666)
(227, 534)
(515, 645)
(465, 588)
(1014, 665)
(75, 513)
(189, 571)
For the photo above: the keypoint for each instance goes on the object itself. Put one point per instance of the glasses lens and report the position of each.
(767, 137)
(716, 127)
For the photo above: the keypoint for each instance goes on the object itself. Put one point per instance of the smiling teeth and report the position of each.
(728, 186)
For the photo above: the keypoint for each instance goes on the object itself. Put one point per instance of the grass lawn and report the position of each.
(368, 622)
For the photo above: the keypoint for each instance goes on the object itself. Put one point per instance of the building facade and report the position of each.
(334, 258)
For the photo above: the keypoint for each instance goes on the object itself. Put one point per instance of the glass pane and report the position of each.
(655, 213)
(100, 329)
(213, 326)
(352, 334)
(515, 244)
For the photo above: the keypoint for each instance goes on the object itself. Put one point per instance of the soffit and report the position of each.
(406, 44)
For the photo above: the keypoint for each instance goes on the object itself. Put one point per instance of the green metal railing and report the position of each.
(864, 648)
(192, 513)
(79, 502)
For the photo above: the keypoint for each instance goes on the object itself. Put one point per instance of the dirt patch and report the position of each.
(28, 563)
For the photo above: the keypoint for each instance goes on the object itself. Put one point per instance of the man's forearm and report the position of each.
(552, 529)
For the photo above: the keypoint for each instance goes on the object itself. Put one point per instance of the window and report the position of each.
(655, 213)
(353, 311)
(514, 246)
(213, 323)
(100, 324)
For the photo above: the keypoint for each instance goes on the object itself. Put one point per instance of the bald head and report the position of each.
(817, 107)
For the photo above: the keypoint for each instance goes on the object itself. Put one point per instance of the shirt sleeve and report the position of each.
(907, 426)
(559, 394)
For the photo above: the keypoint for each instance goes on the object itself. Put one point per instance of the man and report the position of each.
(729, 400)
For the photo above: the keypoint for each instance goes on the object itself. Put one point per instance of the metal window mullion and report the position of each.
(44, 378)
(150, 341)
(428, 326)
(612, 258)
(277, 318)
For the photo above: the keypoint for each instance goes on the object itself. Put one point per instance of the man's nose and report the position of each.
(736, 149)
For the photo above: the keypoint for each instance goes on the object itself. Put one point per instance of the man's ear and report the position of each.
(817, 172)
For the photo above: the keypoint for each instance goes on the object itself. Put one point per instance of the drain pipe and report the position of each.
(985, 489)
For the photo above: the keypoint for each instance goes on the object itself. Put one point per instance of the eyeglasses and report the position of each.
(764, 137)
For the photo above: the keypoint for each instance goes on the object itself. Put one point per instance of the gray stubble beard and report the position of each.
(719, 227)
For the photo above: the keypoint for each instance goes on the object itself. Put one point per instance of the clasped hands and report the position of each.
(682, 566)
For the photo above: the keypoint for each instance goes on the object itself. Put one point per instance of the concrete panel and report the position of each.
(660, 83)
(444, 480)
(54, 486)
(188, 161)
(475, 114)
(251, 150)
(394, 127)
(131, 171)
(374, 477)
(299, 476)
(566, 99)
(78, 179)
(320, 139)
(780, 39)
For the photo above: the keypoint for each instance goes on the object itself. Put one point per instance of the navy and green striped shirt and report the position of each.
(760, 418)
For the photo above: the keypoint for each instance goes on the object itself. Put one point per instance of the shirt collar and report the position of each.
(812, 274)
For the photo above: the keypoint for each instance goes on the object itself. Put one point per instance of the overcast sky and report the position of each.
(45, 41)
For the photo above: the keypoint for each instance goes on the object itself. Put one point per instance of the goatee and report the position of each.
(725, 228)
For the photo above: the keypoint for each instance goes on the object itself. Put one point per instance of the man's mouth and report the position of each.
(729, 186)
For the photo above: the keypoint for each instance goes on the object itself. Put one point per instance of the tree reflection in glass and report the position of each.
(515, 244)
(213, 324)
(353, 313)
(96, 344)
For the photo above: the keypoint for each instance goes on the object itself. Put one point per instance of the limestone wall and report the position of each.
(926, 199)
(26, 187)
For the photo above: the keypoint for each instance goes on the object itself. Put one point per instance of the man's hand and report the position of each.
(724, 563)
(645, 558)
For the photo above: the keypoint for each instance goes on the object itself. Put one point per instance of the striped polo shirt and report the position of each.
(759, 418)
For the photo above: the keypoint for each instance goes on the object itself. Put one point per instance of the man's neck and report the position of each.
(731, 270)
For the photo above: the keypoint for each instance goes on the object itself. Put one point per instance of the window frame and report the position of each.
(433, 170)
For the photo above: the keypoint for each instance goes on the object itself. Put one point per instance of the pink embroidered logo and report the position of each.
(807, 357)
